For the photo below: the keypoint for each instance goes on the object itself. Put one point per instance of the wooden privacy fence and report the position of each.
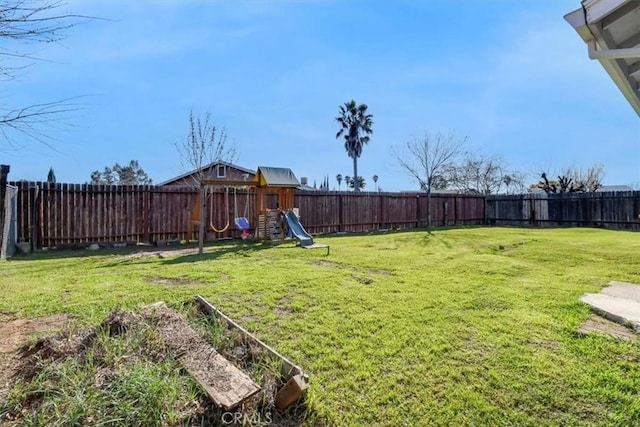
(329, 212)
(59, 214)
(52, 215)
(618, 210)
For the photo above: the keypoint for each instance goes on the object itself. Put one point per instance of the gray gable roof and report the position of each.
(276, 177)
(614, 188)
(207, 167)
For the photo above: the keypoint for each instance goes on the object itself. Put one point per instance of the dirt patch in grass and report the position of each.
(172, 281)
(283, 309)
(162, 254)
(477, 345)
(363, 280)
(331, 264)
(544, 344)
(328, 264)
(14, 334)
(282, 312)
(380, 271)
(599, 325)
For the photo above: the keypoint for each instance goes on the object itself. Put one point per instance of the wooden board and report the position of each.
(289, 370)
(227, 385)
(317, 246)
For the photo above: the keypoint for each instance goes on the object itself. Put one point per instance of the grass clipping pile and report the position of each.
(124, 372)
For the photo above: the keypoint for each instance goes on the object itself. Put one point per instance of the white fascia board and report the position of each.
(579, 23)
(598, 9)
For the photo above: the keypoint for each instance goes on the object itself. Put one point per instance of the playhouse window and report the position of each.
(221, 171)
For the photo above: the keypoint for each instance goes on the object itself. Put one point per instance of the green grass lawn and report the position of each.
(455, 327)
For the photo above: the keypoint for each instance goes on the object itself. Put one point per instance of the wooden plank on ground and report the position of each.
(288, 368)
(317, 246)
(227, 385)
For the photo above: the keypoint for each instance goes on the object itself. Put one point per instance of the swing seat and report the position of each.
(242, 223)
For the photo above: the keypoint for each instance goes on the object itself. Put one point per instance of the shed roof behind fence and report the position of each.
(275, 177)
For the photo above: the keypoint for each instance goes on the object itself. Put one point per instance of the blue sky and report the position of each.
(512, 76)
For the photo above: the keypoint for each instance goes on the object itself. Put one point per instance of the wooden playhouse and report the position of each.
(274, 195)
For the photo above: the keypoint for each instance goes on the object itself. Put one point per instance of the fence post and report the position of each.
(4, 171)
(417, 211)
(35, 197)
(146, 214)
(455, 210)
(485, 214)
(445, 213)
(340, 213)
(532, 207)
(601, 203)
(382, 224)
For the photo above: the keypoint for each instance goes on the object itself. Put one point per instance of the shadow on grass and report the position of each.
(241, 249)
(136, 254)
(177, 255)
(86, 253)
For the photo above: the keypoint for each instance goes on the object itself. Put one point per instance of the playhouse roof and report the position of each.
(267, 176)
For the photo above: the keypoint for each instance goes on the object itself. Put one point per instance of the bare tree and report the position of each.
(590, 179)
(573, 180)
(478, 174)
(204, 146)
(27, 22)
(428, 158)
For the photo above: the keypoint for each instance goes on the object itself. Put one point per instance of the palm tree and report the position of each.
(355, 126)
(339, 179)
(507, 181)
(361, 183)
(375, 181)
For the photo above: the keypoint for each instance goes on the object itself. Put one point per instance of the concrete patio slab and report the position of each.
(622, 290)
(620, 310)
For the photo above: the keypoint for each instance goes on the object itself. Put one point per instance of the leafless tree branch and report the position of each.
(427, 158)
(33, 121)
(204, 145)
(24, 22)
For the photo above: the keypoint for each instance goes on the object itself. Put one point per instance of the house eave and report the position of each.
(611, 30)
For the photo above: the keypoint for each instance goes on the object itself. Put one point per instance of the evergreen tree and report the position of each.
(51, 176)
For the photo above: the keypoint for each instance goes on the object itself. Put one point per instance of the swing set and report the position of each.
(242, 222)
(206, 196)
(281, 181)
